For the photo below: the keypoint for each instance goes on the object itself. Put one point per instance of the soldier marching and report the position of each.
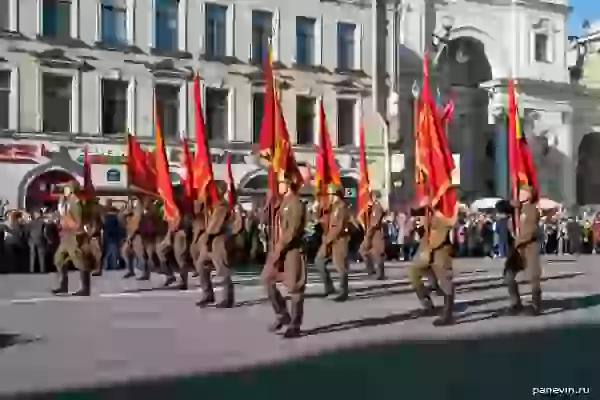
(212, 236)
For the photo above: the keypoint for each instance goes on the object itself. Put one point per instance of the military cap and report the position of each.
(334, 188)
(526, 188)
(73, 185)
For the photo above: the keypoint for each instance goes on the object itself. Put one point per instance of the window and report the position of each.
(4, 15)
(305, 120)
(57, 91)
(56, 19)
(258, 111)
(346, 121)
(167, 103)
(262, 25)
(345, 46)
(114, 106)
(216, 31)
(541, 47)
(114, 21)
(305, 41)
(166, 25)
(4, 99)
(217, 115)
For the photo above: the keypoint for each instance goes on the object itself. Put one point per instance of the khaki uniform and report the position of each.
(94, 230)
(435, 252)
(130, 218)
(75, 247)
(525, 256)
(334, 247)
(372, 249)
(286, 263)
(198, 228)
(237, 237)
(173, 254)
(138, 247)
(213, 248)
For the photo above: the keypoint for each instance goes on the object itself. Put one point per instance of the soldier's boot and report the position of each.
(129, 267)
(369, 265)
(434, 284)
(278, 303)
(328, 287)
(343, 293)
(63, 282)
(428, 309)
(170, 277)
(321, 266)
(98, 271)
(145, 267)
(86, 284)
(183, 275)
(536, 303)
(447, 317)
(380, 270)
(516, 306)
(293, 329)
(208, 293)
(228, 299)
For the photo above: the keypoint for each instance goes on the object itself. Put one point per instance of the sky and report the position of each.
(582, 10)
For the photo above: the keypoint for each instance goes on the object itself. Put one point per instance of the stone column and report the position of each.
(501, 155)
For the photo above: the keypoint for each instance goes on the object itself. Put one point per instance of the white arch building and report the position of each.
(70, 87)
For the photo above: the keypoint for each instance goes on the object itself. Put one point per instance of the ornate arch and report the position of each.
(36, 172)
(251, 175)
(588, 160)
(493, 49)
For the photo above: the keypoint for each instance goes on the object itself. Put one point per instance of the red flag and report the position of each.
(327, 170)
(188, 182)
(171, 213)
(434, 154)
(364, 185)
(266, 141)
(140, 166)
(231, 192)
(274, 143)
(89, 192)
(204, 181)
(520, 159)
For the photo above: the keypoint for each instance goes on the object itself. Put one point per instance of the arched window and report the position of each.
(259, 183)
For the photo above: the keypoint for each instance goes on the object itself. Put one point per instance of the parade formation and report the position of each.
(193, 230)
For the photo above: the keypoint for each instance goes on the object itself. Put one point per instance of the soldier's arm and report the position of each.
(238, 223)
(293, 224)
(374, 220)
(123, 214)
(198, 206)
(528, 228)
(337, 225)
(76, 212)
(217, 219)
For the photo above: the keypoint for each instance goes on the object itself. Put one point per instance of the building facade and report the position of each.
(584, 64)
(82, 73)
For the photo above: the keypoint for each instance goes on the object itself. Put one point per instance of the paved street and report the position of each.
(130, 330)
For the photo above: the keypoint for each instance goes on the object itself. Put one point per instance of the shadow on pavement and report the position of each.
(502, 367)
(549, 306)
(14, 339)
(464, 286)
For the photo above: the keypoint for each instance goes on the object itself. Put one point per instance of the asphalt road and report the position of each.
(132, 331)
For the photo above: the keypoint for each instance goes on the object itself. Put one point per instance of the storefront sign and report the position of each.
(109, 176)
(113, 175)
(13, 152)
